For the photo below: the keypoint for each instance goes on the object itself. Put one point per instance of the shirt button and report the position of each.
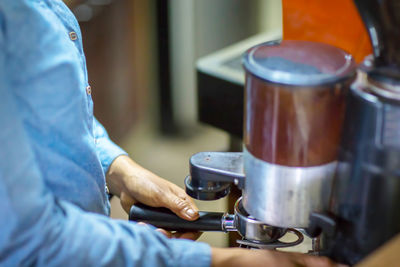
(89, 90)
(107, 190)
(73, 36)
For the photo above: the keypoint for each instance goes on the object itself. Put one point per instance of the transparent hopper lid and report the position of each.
(299, 63)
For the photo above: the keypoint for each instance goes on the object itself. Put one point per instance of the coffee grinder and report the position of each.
(294, 109)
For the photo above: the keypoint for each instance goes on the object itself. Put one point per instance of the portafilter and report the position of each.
(254, 233)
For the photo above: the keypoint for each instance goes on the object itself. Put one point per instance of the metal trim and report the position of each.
(285, 196)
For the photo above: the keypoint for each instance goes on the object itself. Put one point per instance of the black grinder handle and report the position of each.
(164, 218)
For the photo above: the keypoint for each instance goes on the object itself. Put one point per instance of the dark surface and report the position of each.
(213, 190)
(321, 222)
(366, 191)
(167, 123)
(382, 19)
(213, 173)
(208, 167)
(165, 219)
(220, 103)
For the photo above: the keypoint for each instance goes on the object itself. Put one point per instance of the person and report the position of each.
(56, 161)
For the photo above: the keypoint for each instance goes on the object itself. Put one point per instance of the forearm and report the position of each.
(237, 257)
(64, 235)
(100, 241)
(220, 257)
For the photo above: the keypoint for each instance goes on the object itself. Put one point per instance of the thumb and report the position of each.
(183, 207)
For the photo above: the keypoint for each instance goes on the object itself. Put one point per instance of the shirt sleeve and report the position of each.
(37, 229)
(106, 149)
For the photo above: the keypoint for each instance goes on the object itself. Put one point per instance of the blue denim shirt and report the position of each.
(54, 155)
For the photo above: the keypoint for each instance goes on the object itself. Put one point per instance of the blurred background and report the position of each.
(142, 57)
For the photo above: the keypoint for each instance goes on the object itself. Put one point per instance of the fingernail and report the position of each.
(190, 212)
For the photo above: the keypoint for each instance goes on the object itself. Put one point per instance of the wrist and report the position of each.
(116, 175)
(124, 175)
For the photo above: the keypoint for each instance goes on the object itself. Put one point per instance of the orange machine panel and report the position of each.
(334, 22)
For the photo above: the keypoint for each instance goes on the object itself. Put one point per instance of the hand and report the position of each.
(235, 257)
(183, 235)
(132, 183)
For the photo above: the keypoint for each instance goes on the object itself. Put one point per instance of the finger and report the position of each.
(182, 194)
(164, 232)
(188, 235)
(181, 207)
(143, 224)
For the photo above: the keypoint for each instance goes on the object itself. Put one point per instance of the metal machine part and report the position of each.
(212, 173)
(298, 63)
(254, 233)
(245, 243)
(384, 90)
(297, 191)
(251, 229)
(382, 20)
(363, 211)
(285, 196)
